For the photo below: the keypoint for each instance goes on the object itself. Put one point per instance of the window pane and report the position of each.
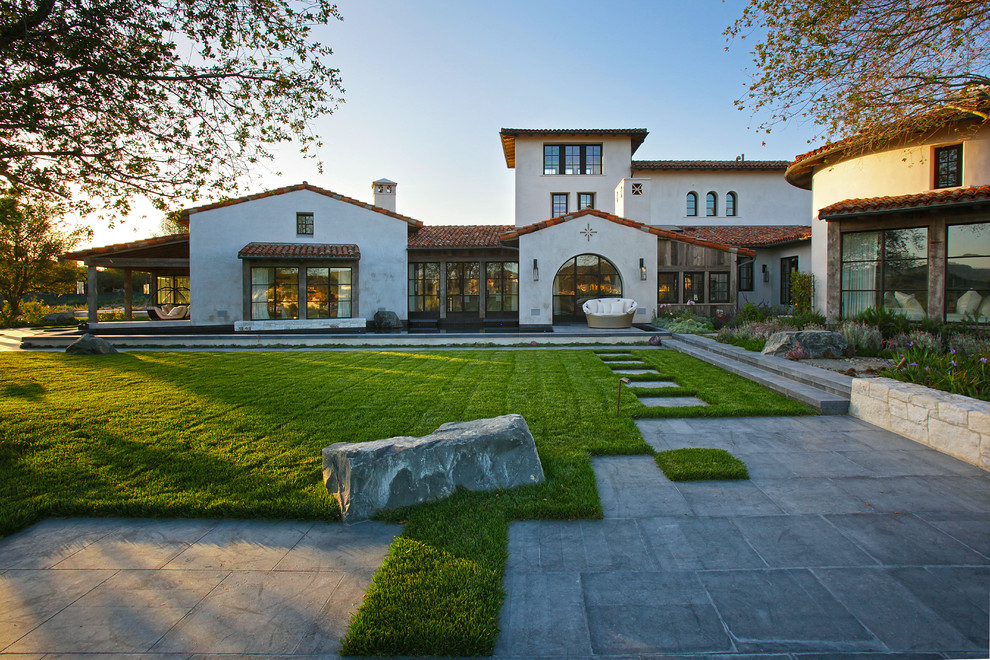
(906, 243)
(948, 166)
(730, 204)
(969, 240)
(711, 204)
(551, 159)
(304, 223)
(968, 273)
(593, 159)
(718, 287)
(586, 201)
(692, 203)
(559, 205)
(666, 288)
(693, 283)
(862, 246)
(572, 159)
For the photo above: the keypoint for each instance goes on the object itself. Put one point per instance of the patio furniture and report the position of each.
(610, 312)
(168, 312)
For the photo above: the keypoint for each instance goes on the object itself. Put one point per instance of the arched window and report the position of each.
(730, 203)
(692, 203)
(581, 278)
(711, 204)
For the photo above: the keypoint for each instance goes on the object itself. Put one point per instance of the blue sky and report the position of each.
(430, 83)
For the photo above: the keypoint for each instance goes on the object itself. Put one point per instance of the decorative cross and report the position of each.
(588, 232)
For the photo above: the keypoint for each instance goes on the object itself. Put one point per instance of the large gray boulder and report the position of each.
(385, 320)
(90, 345)
(813, 344)
(486, 454)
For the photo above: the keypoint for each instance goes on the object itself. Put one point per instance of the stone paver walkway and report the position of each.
(178, 588)
(847, 542)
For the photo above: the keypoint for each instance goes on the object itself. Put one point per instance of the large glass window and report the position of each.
(463, 286)
(746, 275)
(581, 278)
(948, 166)
(172, 290)
(274, 293)
(424, 287)
(788, 265)
(667, 288)
(694, 287)
(692, 204)
(572, 159)
(885, 268)
(558, 204)
(711, 204)
(718, 287)
(502, 286)
(328, 293)
(967, 272)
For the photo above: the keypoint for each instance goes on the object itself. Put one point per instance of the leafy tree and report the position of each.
(32, 237)
(169, 99)
(867, 67)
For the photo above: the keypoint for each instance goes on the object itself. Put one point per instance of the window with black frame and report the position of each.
(558, 204)
(572, 159)
(424, 287)
(328, 293)
(948, 166)
(274, 293)
(502, 286)
(586, 201)
(967, 272)
(304, 224)
(667, 288)
(691, 204)
(172, 290)
(718, 287)
(887, 268)
(746, 275)
(463, 287)
(694, 287)
(711, 204)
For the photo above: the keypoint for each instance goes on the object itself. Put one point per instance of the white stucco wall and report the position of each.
(769, 292)
(216, 236)
(623, 246)
(901, 171)
(763, 198)
(533, 188)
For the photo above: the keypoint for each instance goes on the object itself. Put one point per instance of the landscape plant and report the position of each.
(863, 339)
(700, 464)
(955, 372)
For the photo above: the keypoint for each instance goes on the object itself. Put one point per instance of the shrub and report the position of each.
(953, 372)
(802, 289)
(803, 319)
(890, 324)
(863, 339)
(753, 313)
(917, 338)
(684, 322)
(966, 344)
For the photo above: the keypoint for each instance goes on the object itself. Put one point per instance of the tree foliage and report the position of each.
(867, 67)
(170, 99)
(32, 238)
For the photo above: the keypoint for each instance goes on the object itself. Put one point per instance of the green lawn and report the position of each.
(163, 434)
(700, 464)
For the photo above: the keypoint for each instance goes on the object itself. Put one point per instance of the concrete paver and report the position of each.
(177, 588)
(847, 542)
(671, 401)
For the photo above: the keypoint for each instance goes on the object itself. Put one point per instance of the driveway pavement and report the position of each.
(847, 542)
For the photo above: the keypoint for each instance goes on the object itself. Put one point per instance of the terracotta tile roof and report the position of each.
(174, 239)
(184, 216)
(458, 236)
(709, 165)
(508, 136)
(901, 202)
(752, 236)
(300, 251)
(662, 233)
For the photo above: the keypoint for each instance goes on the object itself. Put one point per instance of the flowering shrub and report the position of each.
(955, 372)
(925, 341)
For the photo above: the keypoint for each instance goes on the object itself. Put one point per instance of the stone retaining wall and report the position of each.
(953, 424)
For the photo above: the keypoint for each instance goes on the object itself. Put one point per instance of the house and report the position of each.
(906, 225)
(589, 222)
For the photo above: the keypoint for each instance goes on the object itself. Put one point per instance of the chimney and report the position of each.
(384, 194)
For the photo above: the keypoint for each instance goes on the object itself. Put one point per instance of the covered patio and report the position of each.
(166, 258)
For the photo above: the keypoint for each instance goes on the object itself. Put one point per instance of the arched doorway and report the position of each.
(580, 278)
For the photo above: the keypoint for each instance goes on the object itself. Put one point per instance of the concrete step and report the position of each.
(825, 402)
(822, 379)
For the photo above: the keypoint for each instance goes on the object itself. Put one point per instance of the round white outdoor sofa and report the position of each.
(610, 312)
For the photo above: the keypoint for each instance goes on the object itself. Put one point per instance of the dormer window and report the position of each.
(948, 166)
(572, 159)
(304, 224)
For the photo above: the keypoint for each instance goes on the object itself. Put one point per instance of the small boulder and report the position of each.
(90, 345)
(655, 341)
(385, 320)
(813, 343)
(486, 454)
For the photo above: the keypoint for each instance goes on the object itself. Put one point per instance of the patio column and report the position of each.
(128, 294)
(91, 292)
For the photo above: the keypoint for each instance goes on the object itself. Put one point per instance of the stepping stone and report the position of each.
(671, 401)
(652, 384)
(636, 371)
(624, 363)
(614, 355)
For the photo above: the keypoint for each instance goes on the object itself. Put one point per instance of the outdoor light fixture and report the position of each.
(536, 271)
(766, 273)
(642, 270)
